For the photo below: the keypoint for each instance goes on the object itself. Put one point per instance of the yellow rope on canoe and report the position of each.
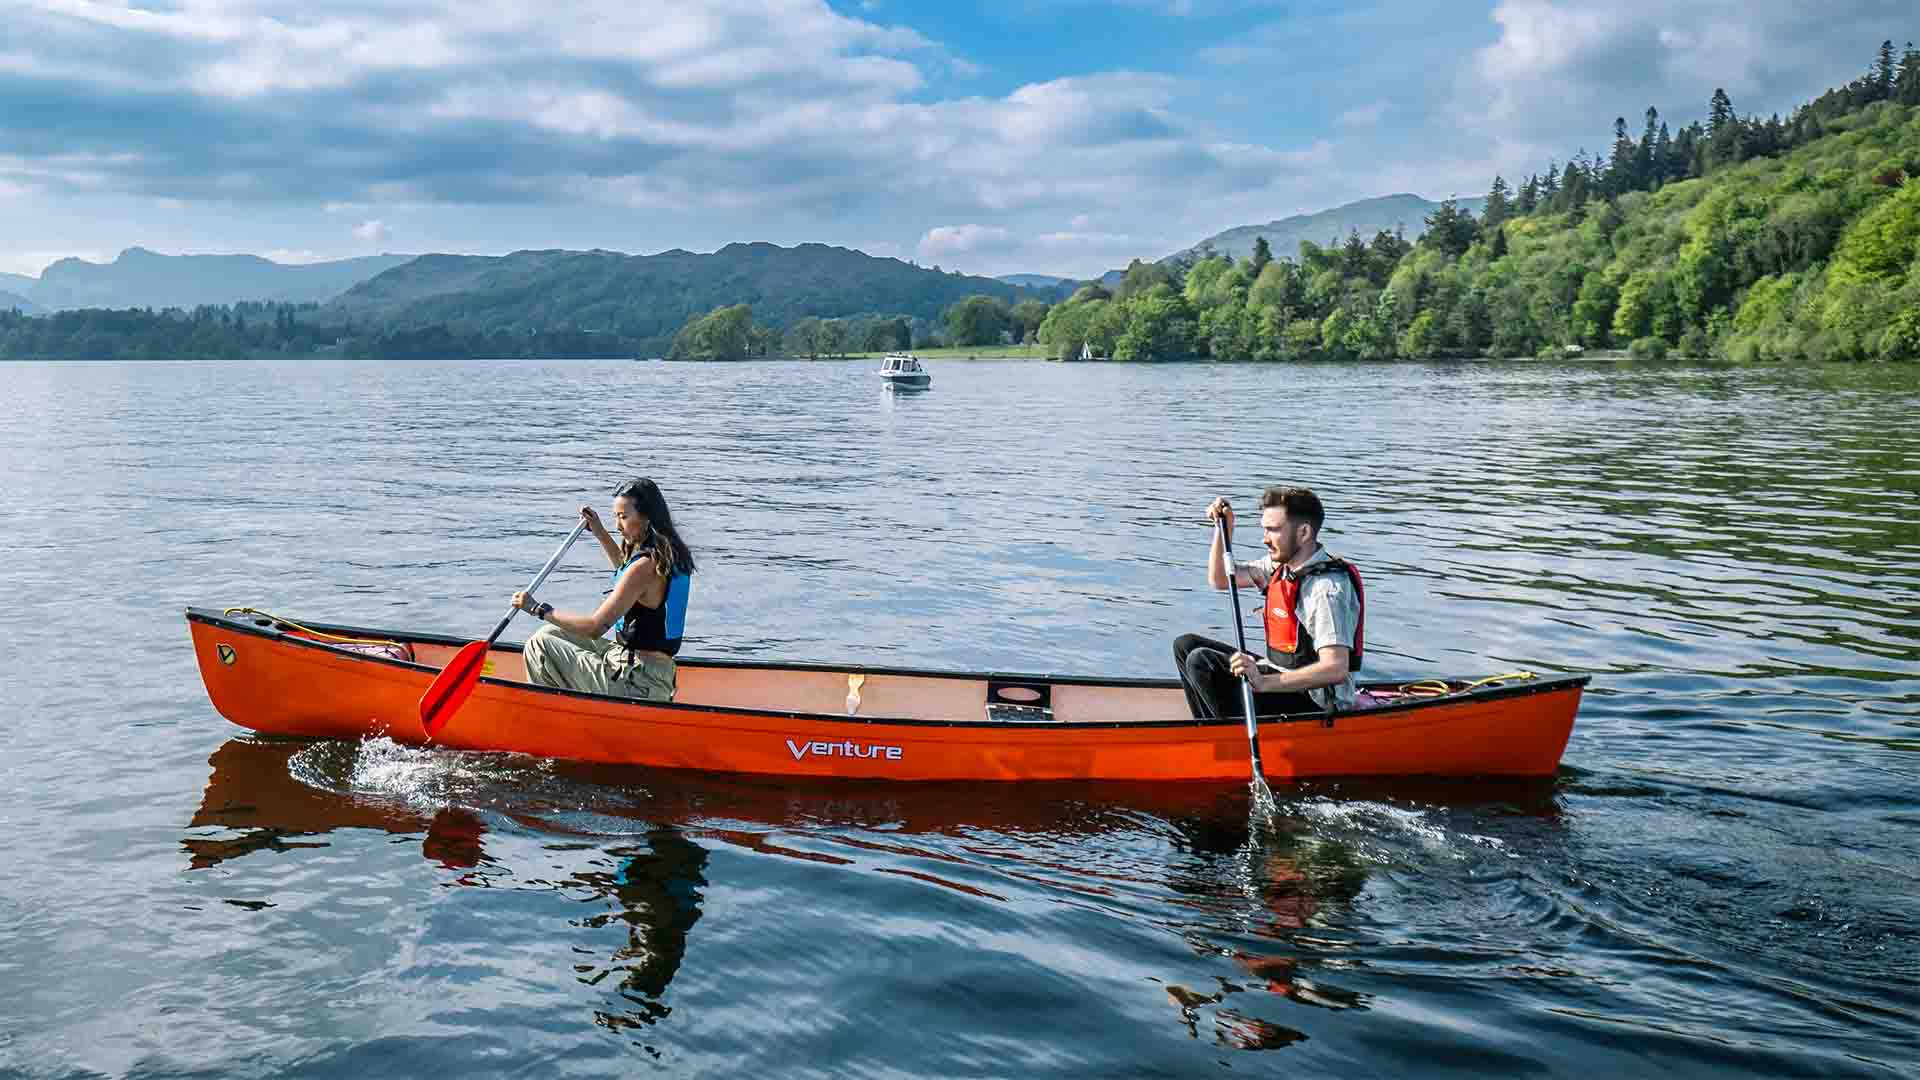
(1437, 688)
(322, 635)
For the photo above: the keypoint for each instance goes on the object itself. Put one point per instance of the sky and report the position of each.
(998, 136)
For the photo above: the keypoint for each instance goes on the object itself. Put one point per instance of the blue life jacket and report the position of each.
(656, 629)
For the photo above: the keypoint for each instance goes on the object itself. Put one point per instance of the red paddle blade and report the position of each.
(452, 686)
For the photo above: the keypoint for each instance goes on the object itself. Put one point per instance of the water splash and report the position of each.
(1266, 808)
(1392, 825)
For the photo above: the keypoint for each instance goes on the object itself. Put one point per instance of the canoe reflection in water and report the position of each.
(654, 885)
(1274, 900)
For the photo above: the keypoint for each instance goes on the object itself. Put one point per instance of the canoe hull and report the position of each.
(271, 681)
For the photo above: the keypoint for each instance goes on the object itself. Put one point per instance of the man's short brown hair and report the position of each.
(1301, 504)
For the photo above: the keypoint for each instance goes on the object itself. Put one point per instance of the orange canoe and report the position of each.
(862, 722)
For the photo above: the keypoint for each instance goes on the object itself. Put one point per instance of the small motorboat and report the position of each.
(904, 369)
(858, 721)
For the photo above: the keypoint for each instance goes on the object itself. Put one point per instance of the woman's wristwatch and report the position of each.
(542, 610)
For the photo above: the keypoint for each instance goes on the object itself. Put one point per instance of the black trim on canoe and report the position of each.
(254, 624)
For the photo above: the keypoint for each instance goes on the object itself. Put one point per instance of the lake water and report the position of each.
(1724, 877)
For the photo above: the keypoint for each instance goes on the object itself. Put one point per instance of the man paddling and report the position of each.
(1314, 614)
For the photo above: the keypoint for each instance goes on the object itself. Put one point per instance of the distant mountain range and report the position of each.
(1060, 287)
(143, 278)
(639, 296)
(650, 297)
(1368, 216)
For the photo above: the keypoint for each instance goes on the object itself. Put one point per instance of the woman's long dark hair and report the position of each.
(670, 553)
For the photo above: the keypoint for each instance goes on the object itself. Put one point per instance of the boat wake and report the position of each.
(427, 780)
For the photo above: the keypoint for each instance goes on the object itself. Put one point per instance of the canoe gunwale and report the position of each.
(257, 626)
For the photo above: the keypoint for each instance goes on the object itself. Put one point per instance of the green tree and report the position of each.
(1026, 317)
(1593, 310)
(977, 320)
(1645, 164)
(1262, 255)
(1142, 276)
(1278, 286)
(1907, 85)
(1160, 326)
(1451, 229)
(833, 337)
(1419, 340)
(1623, 174)
(888, 335)
(722, 334)
(1499, 207)
(804, 338)
(1883, 243)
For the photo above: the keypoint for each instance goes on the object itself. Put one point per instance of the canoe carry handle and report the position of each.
(1019, 700)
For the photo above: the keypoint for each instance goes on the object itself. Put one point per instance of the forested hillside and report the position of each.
(1745, 237)
(648, 299)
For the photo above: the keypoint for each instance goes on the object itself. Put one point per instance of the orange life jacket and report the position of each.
(1289, 646)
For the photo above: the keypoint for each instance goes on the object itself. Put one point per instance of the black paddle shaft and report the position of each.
(1240, 637)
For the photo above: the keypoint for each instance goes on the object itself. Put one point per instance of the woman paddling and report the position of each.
(647, 608)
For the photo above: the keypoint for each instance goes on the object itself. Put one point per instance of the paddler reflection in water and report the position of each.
(1314, 611)
(647, 608)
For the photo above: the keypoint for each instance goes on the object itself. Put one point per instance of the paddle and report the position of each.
(455, 682)
(1262, 794)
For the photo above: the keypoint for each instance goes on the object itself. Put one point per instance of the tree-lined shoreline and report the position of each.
(1743, 238)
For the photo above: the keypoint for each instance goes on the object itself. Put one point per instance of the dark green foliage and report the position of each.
(1756, 239)
(726, 333)
(1499, 206)
(241, 331)
(1025, 319)
(1142, 276)
(1262, 255)
(1451, 230)
(647, 299)
(979, 320)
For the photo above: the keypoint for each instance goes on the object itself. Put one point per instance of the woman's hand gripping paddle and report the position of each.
(455, 682)
(1262, 795)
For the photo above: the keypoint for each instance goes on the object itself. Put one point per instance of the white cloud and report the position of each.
(947, 240)
(373, 231)
(735, 105)
(245, 49)
(1069, 241)
(1362, 116)
(1560, 71)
